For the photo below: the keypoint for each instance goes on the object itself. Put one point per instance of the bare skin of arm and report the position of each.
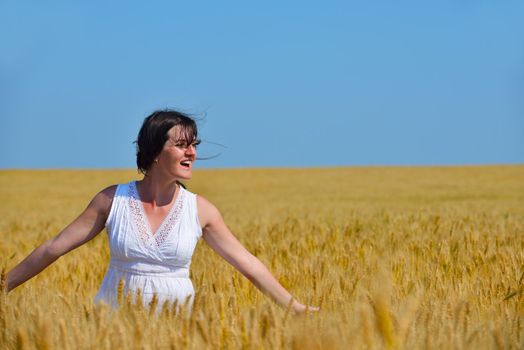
(84, 228)
(220, 238)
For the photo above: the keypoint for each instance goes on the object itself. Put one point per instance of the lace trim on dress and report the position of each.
(171, 219)
(136, 212)
(140, 219)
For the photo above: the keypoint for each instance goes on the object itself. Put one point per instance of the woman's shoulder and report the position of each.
(207, 211)
(102, 200)
(117, 189)
(202, 202)
(108, 192)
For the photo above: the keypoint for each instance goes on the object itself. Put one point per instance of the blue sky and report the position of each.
(282, 84)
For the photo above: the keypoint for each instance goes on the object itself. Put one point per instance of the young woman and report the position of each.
(153, 226)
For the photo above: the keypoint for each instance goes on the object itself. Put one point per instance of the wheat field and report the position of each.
(397, 258)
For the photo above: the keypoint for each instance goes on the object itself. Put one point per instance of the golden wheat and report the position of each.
(429, 257)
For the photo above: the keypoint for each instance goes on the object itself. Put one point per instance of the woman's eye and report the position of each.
(186, 145)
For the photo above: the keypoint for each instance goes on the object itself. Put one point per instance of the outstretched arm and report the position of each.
(81, 230)
(218, 236)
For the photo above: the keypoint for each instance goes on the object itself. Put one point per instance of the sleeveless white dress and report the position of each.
(151, 264)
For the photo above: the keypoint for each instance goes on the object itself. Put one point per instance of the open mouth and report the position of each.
(186, 163)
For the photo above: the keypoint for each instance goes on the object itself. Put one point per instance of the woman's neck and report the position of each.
(156, 190)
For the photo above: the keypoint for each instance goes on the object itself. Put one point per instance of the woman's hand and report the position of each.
(301, 309)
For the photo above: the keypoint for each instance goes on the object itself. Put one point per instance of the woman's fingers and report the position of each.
(306, 309)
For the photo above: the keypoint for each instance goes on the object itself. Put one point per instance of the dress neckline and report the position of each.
(145, 233)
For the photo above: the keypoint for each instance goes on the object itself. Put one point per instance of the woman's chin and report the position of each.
(185, 176)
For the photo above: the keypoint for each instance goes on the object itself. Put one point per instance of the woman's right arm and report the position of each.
(84, 228)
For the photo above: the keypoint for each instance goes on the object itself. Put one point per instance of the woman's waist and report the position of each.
(143, 268)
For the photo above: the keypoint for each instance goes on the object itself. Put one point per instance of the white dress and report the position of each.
(146, 262)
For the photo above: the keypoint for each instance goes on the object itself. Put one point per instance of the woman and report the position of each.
(153, 226)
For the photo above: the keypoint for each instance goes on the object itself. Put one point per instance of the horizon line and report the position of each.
(277, 167)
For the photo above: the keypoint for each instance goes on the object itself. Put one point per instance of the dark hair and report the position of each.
(154, 133)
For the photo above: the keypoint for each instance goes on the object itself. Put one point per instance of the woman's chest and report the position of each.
(173, 242)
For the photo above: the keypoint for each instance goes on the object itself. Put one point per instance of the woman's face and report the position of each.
(178, 155)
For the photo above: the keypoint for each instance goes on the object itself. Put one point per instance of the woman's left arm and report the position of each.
(220, 238)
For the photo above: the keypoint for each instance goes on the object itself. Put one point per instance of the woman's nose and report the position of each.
(191, 150)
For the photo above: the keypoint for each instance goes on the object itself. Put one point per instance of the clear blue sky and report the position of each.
(280, 83)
